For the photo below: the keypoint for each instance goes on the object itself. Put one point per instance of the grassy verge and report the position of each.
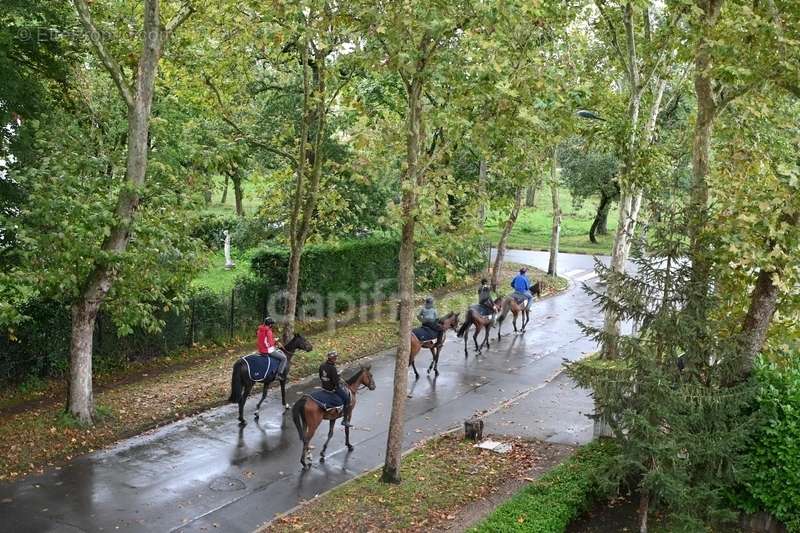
(35, 433)
(217, 278)
(532, 230)
(439, 479)
(551, 503)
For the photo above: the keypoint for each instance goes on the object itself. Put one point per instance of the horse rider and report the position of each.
(329, 376)
(267, 345)
(522, 287)
(429, 318)
(485, 297)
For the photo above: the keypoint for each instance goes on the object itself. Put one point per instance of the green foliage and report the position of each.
(246, 232)
(549, 504)
(365, 270)
(771, 466)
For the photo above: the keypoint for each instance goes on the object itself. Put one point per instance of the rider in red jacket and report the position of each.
(267, 346)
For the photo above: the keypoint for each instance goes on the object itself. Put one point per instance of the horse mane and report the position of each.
(355, 377)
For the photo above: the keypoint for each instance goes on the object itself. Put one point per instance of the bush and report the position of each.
(365, 270)
(771, 473)
(549, 504)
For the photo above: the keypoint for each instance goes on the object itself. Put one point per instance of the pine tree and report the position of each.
(667, 398)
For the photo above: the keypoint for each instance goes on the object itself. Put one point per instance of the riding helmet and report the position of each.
(268, 321)
(333, 354)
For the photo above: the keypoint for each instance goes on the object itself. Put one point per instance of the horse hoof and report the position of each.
(255, 416)
(322, 459)
(242, 423)
(437, 373)
(349, 447)
(287, 406)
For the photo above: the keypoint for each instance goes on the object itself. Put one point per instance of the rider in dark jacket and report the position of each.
(329, 376)
(485, 296)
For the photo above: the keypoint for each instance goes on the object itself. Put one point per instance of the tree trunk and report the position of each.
(600, 218)
(304, 201)
(555, 234)
(530, 196)
(503, 243)
(139, 104)
(238, 193)
(225, 191)
(482, 184)
(394, 442)
(602, 224)
(81, 398)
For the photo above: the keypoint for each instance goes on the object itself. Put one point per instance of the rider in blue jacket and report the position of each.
(522, 286)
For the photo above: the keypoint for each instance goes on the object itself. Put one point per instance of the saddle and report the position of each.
(261, 368)
(481, 310)
(327, 400)
(425, 334)
(518, 297)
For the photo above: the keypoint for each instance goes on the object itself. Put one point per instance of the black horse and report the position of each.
(241, 384)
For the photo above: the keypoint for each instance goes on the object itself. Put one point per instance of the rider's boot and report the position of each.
(346, 419)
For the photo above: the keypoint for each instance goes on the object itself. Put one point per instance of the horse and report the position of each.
(510, 304)
(449, 321)
(241, 384)
(307, 415)
(481, 322)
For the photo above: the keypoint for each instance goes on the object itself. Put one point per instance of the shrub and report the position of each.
(246, 232)
(549, 504)
(771, 467)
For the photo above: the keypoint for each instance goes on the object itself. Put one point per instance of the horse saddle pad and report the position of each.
(518, 297)
(261, 367)
(425, 334)
(480, 309)
(326, 399)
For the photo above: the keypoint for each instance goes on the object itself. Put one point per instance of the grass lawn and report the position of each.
(217, 278)
(439, 480)
(532, 230)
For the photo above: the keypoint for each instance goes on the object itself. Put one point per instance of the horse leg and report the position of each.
(242, 400)
(283, 394)
(263, 397)
(325, 446)
(515, 323)
(313, 420)
(475, 340)
(347, 437)
(486, 339)
(414, 366)
(526, 317)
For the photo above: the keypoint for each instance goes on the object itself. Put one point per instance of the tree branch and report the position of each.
(614, 40)
(108, 61)
(179, 18)
(244, 135)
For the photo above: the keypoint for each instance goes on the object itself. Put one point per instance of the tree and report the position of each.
(643, 76)
(555, 234)
(587, 173)
(138, 100)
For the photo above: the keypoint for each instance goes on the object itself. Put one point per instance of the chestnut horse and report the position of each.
(449, 321)
(307, 416)
(481, 322)
(241, 384)
(511, 304)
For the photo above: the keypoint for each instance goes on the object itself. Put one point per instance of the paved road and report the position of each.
(205, 472)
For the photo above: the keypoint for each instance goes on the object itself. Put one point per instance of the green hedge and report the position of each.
(771, 468)
(365, 270)
(549, 504)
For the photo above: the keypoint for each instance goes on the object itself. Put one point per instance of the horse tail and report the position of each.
(297, 415)
(236, 382)
(465, 326)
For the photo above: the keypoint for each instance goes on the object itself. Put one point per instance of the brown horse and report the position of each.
(307, 416)
(241, 384)
(449, 321)
(481, 322)
(511, 304)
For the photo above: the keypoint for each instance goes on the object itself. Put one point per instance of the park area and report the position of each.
(400, 266)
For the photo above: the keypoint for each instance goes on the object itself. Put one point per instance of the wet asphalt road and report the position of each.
(205, 473)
